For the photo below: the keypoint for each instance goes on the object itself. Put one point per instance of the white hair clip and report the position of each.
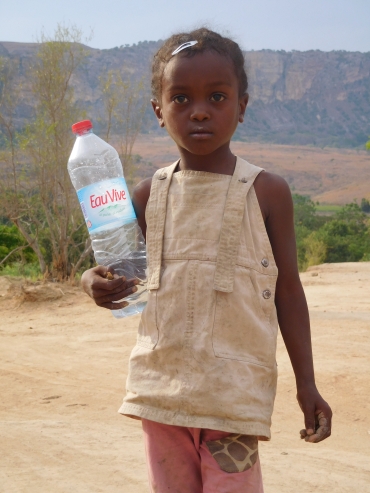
(183, 46)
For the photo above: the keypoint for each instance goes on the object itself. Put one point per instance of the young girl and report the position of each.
(222, 276)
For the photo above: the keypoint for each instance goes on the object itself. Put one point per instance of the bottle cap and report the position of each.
(81, 127)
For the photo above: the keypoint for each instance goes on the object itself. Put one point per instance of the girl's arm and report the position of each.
(277, 208)
(94, 281)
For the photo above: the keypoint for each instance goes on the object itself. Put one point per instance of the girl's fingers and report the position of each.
(317, 416)
(308, 409)
(322, 429)
(106, 284)
(114, 306)
(106, 288)
(101, 270)
(303, 433)
(115, 297)
(104, 278)
(113, 287)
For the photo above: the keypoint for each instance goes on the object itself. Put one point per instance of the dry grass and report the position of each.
(330, 176)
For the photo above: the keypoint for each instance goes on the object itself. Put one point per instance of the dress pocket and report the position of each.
(148, 333)
(242, 329)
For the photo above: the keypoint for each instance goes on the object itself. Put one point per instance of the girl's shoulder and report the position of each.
(272, 192)
(141, 191)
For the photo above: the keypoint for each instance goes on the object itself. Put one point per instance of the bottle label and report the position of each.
(105, 203)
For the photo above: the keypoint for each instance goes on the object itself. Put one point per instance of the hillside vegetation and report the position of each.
(341, 237)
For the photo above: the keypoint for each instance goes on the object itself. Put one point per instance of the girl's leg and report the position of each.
(229, 463)
(173, 460)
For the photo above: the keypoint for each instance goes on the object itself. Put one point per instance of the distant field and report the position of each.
(328, 208)
(330, 176)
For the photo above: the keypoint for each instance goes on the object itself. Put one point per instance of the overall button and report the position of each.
(265, 262)
(243, 180)
(163, 176)
(266, 294)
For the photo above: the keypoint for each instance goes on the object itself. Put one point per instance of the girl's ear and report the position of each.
(158, 112)
(243, 102)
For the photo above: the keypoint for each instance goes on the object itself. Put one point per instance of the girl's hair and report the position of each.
(206, 40)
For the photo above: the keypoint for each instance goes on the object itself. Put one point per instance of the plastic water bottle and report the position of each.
(117, 241)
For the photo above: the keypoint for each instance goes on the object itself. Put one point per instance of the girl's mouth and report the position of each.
(201, 133)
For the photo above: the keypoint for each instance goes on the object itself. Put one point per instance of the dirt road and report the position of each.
(63, 367)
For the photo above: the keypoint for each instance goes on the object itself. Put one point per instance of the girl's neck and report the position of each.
(222, 161)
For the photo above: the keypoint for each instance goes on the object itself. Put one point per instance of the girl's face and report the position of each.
(200, 104)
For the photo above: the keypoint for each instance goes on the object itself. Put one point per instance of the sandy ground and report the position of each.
(63, 368)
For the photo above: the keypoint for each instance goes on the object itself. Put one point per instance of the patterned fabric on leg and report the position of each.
(230, 463)
(235, 453)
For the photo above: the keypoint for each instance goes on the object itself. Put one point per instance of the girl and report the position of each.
(222, 276)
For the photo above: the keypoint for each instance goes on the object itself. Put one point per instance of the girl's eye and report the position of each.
(180, 99)
(217, 97)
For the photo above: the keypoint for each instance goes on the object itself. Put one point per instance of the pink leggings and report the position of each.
(194, 460)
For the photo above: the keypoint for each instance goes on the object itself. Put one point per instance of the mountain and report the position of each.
(307, 98)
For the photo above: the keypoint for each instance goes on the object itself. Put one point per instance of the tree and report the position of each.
(36, 191)
(368, 144)
(305, 221)
(346, 236)
(315, 250)
(304, 211)
(13, 246)
(124, 104)
(12, 193)
(365, 205)
(343, 237)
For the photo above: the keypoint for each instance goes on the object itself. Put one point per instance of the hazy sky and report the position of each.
(275, 24)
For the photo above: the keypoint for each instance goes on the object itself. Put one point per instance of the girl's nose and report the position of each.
(200, 113)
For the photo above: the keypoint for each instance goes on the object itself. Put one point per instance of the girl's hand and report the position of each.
(103, 291)
(317, 415)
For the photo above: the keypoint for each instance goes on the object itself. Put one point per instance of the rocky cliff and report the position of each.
(310, 97)
(313, 97)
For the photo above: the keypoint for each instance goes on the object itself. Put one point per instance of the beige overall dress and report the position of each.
(205, 352)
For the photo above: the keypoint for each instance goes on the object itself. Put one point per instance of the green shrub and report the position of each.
(304, 211)
(342, 237)
(365, 205)
(346, 236)
(19, 269)
(315, 250)
(10, 239)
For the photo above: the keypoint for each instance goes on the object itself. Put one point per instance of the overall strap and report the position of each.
(240, 184)
(156, 218)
